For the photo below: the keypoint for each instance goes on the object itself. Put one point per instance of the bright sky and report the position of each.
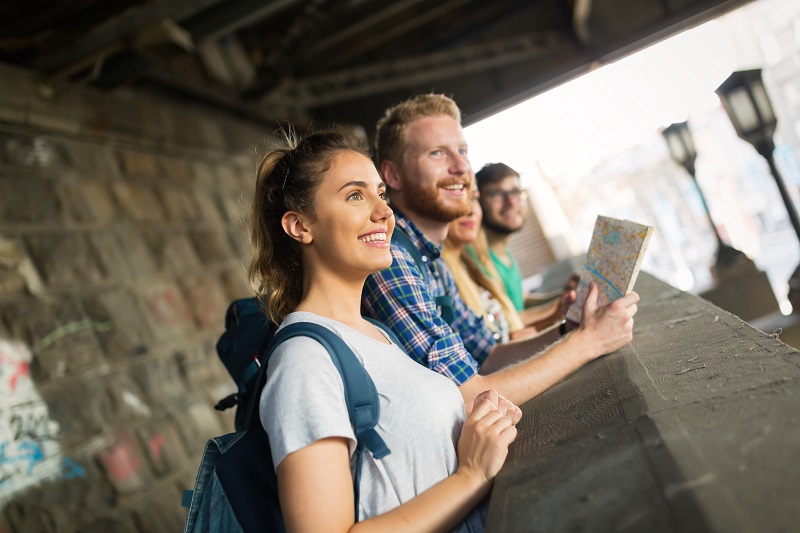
(569, 128)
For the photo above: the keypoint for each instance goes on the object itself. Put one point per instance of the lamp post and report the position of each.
(681, 149)
(745, 100)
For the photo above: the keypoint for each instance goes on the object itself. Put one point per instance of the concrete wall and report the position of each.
(120, 248)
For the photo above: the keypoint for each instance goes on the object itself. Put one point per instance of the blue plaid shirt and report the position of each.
(399, 297)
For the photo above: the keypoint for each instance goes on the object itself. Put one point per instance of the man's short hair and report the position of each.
(494, 172)
(390, 139)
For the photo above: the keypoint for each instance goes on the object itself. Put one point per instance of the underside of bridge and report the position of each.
(323, 61)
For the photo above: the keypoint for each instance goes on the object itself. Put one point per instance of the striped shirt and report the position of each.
(399, 297)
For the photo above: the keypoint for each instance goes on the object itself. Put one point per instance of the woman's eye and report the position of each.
(354, 196)
(384, 195)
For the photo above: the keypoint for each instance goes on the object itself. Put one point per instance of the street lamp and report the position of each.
(745, 100)
(681, 149)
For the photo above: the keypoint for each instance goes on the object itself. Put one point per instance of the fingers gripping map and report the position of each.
(612, 262)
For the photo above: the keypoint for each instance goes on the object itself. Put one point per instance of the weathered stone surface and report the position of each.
(212, 246)
(232, 178)
(60, 333)
(207, 299)
(689, 428)
(123, 464)
(137, 164)
(240, 241)
(24, 516)
(172, 251)
(166, 311)
(213, 135)
(28, 200)
(199, 423)
(178, 203)
(236, 284)
(37, 151)
(119, 325)
(97, 231)
(82, 490)
(204, 176)
(162, 446)
(174, 169)
(208, 207)
(85, 201)
(200, 365)
(236, 204)
(5, 331)
(118, 523)
(158, 379)
(93, 161)
(78, 408)
(15, 267)
(11, 282)
(138, 201)
(127, 402)
(64, 258)
(123, 252)
(160, 513)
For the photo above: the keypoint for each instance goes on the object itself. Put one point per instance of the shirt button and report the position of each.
(424, 258)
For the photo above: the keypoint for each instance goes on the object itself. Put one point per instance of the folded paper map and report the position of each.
(612, 262)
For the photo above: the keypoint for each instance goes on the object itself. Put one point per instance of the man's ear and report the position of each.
(295, 227)
(391, 174)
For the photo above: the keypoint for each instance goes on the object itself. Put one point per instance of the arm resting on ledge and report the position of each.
(520, 370)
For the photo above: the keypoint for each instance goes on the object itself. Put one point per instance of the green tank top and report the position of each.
(512, 279)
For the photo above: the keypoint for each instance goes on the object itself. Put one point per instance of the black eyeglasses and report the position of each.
(496, 194)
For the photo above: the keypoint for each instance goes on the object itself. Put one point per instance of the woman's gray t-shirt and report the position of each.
(421, 412)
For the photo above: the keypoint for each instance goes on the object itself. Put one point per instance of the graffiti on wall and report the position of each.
(29, 447)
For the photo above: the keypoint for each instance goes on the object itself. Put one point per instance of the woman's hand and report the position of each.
(486, 435)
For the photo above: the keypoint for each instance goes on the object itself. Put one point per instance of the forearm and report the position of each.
(440, 508)
(541, 314)
(515, 351)
(521, 377)
(602, 330)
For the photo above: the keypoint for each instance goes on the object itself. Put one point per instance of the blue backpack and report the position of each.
(241, 349)
(236, 488)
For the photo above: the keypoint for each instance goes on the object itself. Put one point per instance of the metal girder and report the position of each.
(227, 17)
(351, 30)
(372, 79)
(119, 63)
(580, 19)
(108, 35)
(400, 29)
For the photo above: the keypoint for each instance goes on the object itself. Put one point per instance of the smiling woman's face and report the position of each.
(464, 230)
(352, 222)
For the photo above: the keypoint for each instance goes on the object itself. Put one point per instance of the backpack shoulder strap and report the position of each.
(360, 394)
(401, 238)
(359, 390)
(444, 302)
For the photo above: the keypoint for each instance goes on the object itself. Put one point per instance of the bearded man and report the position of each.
(423, 157)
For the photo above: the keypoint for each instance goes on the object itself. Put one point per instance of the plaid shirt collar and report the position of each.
(423, 243)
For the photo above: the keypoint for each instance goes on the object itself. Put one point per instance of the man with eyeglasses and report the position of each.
(422, 156)
(504, 204)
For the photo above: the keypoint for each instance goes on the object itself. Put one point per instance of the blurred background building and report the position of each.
(594, 145)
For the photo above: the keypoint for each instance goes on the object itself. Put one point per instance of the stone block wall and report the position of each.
(121, 242)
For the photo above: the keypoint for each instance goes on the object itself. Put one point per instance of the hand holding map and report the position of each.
(612, 262)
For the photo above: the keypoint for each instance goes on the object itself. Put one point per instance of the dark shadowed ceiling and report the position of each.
(335, 60)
